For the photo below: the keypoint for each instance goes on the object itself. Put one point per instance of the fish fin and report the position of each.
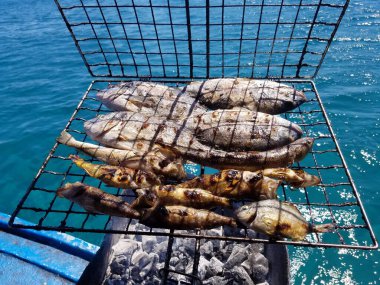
(65, 137)
(324, 228)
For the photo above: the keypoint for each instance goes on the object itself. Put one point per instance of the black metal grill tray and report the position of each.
(335, 200)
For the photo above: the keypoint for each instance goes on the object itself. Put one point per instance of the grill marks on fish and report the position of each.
(149, 98)
(95, 200)
(160, 160)
(175, 195)
(118, 176)
(256, 95)
(278, 219)
(184, 218)
(183, 140)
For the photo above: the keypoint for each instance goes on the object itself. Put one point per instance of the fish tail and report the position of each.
(65, 138)
(324, 228)
(76, 159)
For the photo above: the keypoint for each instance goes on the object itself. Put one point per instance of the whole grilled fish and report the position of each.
(256, 95)
(236, 184)
(278, 219)
(118, 176)
(184, 218)
(128, 130)
(149, 98)
(95, 200)
(160, 160)
(241, 130)
(293, 177)
(173, 195)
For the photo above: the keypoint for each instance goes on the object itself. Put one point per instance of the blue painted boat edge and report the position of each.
(58, 240)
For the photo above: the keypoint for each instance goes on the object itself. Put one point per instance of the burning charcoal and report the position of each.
(174, 261)
(238, 255)
(207, 249)
(241, 276)
(135, 274)
(203, 267)
(148, 242)
(161, 249)
(215, 267)
(140, 259)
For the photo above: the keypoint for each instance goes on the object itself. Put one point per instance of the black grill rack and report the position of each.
(177, 41)
(335, 200)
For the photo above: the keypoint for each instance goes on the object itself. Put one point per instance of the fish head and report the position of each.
(70, 190)
(246, 214)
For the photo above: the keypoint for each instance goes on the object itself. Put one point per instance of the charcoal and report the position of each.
(174, 261)
(118, 267)
(255, 247)
(215, 267)
(161, 249)
(203, 267)
(216, 280)
(126, 247)
(207, 249)
(263, 283)
(189, 267)
(241, 276)
(153, 257)
(135, 274)
(238, 255)
(148, 242)
(182, 264)
(257, 266)
(140, 259)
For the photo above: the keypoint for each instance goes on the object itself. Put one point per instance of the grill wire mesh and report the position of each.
(335, 200)
(203, 38)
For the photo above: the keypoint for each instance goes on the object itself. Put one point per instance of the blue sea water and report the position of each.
(42, 78)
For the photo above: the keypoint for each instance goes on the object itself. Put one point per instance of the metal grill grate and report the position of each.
(334, 200)
(202, 39)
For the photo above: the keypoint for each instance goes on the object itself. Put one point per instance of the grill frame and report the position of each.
(312, 22)
(370, 243)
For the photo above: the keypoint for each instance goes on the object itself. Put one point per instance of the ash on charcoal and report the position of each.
(238, 255)
(138, 260)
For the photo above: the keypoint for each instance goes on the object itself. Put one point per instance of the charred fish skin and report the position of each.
(236, 184)
(229, 130)
(160, 160)
(117, 176)
(242, 130)
(170, 195)
(278, 219)
(149, 98)
(184, 218)
(95, 200)
(257, 95)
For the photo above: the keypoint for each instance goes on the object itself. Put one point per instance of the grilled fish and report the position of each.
(149, 98)
(241, 130)
(184, 218)
(118, 176)
(278, 219)
(173, 195)
(256, 95)
(160, 160)
(293, 177)
(95, 200)
(236, 184)
(128, 130)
